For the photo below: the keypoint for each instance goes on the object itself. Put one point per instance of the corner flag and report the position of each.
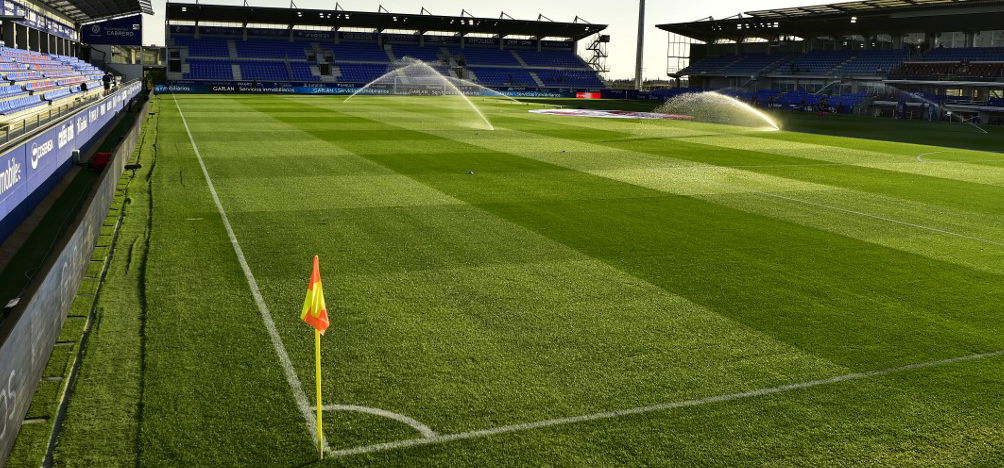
(315, 313)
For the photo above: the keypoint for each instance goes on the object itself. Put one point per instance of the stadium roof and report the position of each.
(869, 6)
(378, 20)
(861, 17)
(85, 11)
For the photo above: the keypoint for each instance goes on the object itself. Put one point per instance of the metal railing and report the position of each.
(15, 129)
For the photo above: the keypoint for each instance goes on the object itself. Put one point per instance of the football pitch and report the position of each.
(556, 291)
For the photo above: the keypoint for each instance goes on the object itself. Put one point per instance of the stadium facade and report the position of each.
(55, 109)
(893, 57)
(216, 48)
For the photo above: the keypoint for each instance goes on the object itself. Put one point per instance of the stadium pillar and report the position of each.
(8, 34)
(640, 52)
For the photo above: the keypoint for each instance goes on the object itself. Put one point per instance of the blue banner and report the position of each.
(119, 31)
(181, 87)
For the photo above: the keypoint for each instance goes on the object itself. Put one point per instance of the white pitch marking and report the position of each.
(438, 439)
(266, 316)
(880, 218)
(414, 423)
(920, 157)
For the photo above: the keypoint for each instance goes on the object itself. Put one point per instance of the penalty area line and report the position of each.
(266, 316)
(442, 438)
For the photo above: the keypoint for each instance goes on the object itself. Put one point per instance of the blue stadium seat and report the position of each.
(551, 58)
(356, 52)
(266, 71)
(503, 76)
(425, 54)
(204, 46)
(209, 70)
(485, 56)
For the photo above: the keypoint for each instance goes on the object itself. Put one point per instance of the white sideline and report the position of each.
(414, 423)
(880, 218)
(266, 316)
(648, 409)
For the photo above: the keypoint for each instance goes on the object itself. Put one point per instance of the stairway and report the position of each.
(536, 79)
(518, 58)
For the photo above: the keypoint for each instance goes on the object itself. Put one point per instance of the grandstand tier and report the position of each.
(31, 80)
(800, 57)
(296, 49)
(229, 57)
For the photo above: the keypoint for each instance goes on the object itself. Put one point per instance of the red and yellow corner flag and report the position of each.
(315, 313)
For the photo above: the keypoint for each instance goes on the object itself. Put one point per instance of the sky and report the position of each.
(622, 18)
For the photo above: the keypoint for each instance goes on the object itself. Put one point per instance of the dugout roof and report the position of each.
(861, 17)
(378, 20)
(86, 11)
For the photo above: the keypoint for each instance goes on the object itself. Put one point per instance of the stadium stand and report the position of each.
(33, 80)
(873, 62)
(261, 70)
(551, 58)
(279, 60)
(356, 52)
(300, 49)
(484, 56)
(503, 76)
(271, 49)
(817, 62)
(972, 54)
(888, 58)
(429, 55)
(209, 70)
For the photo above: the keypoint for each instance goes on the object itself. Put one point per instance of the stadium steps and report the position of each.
(318, 52)
(390, 53)
(520, 60)
(841, 64)
(232, 48)
(236, 71)
(314, 69)
(536, 79)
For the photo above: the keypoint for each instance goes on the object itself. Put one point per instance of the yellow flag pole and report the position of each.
(317, 368)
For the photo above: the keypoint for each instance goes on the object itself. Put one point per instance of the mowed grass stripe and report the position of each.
(680, 244)
(935, 191)
(517, 312)
(937, 232)
(835, 401)
(931, 416)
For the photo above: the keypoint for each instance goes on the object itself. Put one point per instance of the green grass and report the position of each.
(553, 267)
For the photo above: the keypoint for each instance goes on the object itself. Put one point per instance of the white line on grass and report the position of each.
(880, 218)
(920, 157)
(438, 439)
(266, 316)
(414, 423)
